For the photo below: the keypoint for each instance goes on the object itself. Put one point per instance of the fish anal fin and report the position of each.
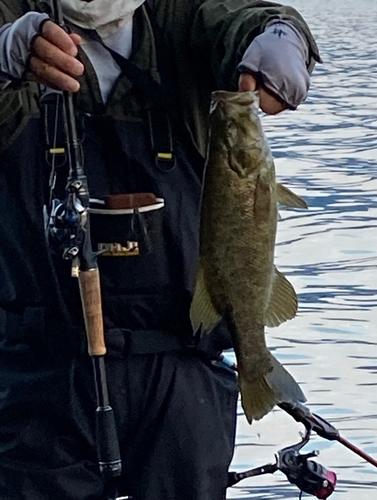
(259, 396)
(203, 314)
(289, 199)
(283, 302)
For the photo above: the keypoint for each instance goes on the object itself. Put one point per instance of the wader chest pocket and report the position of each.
(130, 245)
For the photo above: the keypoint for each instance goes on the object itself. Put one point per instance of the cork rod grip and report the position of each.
(92, 307)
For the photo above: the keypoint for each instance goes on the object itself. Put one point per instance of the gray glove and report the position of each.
(279, 60)
(15, 43)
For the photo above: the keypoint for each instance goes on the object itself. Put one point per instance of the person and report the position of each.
(174, 402)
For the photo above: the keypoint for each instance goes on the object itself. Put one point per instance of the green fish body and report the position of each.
(237, 279)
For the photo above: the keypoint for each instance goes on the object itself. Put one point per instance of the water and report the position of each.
(327, 152)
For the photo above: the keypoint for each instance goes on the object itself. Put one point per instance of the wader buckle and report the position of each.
(161, 139)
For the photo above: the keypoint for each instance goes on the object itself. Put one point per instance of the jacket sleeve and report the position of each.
(17, 101)
(223, 29)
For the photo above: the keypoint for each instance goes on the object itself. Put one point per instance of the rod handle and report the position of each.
(90, 292)
(108, 451)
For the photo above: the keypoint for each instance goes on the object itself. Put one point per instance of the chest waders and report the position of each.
(157, 236)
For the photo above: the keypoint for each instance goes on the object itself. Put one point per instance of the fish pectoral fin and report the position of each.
(289, 199)
(259, 396)
(283, 303)
(202, 312)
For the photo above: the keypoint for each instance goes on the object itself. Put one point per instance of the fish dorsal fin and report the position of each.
(202, 312)
(283, 303)
(289, 199)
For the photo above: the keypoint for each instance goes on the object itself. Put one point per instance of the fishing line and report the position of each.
(52, 179)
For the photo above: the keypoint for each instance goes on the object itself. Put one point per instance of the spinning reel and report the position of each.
(309, 476)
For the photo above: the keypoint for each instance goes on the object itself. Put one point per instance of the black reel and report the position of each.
(66, 222)
(309, 476)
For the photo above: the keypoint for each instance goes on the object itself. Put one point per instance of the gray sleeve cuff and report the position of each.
(279, 58)
(309, 59)
(15, 41)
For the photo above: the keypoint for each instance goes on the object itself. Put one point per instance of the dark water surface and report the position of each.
(327, 152)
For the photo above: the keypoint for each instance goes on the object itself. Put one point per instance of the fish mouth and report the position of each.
(242, 98)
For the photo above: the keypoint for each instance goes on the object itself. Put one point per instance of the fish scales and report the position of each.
(235, 261)
(237, 239)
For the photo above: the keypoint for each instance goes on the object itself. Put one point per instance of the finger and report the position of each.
(58, 37)
(75, 38)
(246, 83)
(51, 76)
(53, 56)
(270, 104)
(31, 77)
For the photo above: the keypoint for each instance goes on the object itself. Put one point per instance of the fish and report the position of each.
(237, 280)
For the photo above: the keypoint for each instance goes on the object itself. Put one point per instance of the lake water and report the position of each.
(327, 152)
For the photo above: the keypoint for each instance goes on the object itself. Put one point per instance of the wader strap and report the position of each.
(155, 341)
(55, 152)
(160, 106)
(54, 141)
(152, 90)
(123, 341)
(157, 106)
(161, 139)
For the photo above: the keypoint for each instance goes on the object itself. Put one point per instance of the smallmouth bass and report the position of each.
(237, 279)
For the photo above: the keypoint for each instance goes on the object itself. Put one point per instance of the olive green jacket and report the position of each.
(205, 39)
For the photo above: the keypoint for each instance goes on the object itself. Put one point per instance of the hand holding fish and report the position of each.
(278, 64)
(267, 102)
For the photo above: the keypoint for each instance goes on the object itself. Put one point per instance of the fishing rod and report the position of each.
(320, 426)
(69, 232)
(309, 476)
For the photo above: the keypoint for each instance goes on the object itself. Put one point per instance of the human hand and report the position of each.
(34, 48)
(268, 103)
(276, 63)
(53, 59)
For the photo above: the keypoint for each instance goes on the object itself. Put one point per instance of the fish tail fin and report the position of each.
(283, 384)
(277, 386)
(202, 312)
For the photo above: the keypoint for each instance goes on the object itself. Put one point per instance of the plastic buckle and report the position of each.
(55, 156)
(165, 161)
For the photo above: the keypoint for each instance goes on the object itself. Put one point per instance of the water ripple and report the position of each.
(326, 152)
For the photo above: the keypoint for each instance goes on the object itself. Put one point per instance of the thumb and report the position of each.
(246, 83)
(268, 103)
